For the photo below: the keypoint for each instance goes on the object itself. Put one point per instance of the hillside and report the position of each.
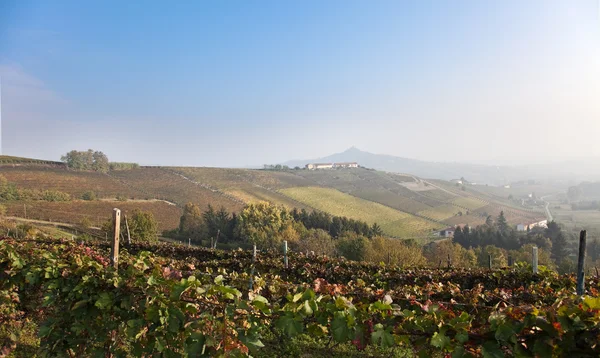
(575, 170)
(403, 205)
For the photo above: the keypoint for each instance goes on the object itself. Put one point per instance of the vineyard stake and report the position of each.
(128, 235)
(189, 242)
(217, 239)
(534, 259)
(254, 254)
(285, 258)
(490, 261)
(581, 263)
(211, 242)
(252, 271)
(114, 250)
(510, 261)
(449, 262)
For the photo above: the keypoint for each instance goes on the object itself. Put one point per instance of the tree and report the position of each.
(316, 240)
(459, 256)
(380, 249)
(502, 224)
(86, 160)
(142, 226)
(552, 230)
(261, 223)
(559, 248)
(352, 246)
(100, 162)
(376, 230)
(190, 223)
(489, 221)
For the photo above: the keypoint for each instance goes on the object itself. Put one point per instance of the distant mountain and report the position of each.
(571, 171)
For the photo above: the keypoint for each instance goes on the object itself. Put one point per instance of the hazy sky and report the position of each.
(234, 83)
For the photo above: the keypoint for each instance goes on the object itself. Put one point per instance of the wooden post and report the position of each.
(189, 242)
(218, 233)
(581, 263)
(285, 258)
(254, 254)
(534, 259)
(128, 235)
(114, 250)
(389, 259)
(211, 242)
(490, 261)
(449, 262)
(510, 261)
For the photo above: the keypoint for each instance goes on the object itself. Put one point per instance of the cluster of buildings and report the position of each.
(315, 166)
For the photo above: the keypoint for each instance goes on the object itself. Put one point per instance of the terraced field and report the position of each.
(95, 211)
(393, 222)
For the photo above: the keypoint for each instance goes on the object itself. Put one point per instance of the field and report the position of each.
(247, 185)
(96, 212)
(393, 222)
(163, 184)
(73, 182)
(172, 300)
(408, 205)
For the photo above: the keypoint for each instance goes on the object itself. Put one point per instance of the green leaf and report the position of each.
(79, 304)
(307, 308)
(505, 332)
(289, 325)
(152, 281)
(462, 337)
(459, 352)
(104, 301)
(491, 350)
(592, 302)
(219, 279)
(382, 337)
(195, 344)
(439, 340)
(339, 327)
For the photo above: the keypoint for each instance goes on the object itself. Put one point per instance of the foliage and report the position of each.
(10, 192)
(317, 241)
(442, 251)
(163, 306)
(142, 226)
(86, 160)
(122, 166)
(89, 196)
(262, 224)
(190, 223)
(394, 251)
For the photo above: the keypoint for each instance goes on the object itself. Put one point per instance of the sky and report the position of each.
(242, 83)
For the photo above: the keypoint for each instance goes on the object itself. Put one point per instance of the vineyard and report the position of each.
(178, 301)
(94, 212)
(393, 222)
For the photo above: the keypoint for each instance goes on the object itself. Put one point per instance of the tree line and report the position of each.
(93, 161)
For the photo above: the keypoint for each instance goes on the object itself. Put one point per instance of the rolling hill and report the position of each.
(404, 205)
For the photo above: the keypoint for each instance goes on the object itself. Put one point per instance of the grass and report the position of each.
(393, 222)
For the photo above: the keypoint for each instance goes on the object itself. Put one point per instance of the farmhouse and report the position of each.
(345, 165)
(448, 232)
(525, 227)
(314, 166)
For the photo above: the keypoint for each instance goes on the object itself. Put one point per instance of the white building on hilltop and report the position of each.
(315, 166)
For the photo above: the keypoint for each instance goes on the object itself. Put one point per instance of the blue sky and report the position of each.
(233, 83)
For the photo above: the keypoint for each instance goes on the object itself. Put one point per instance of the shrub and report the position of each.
(89, 196)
